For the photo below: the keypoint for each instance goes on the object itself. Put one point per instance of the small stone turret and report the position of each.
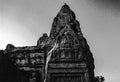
(42, 40)
(10, 47)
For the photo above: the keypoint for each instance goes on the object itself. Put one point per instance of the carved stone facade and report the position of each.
(71, 59)
(63, 56)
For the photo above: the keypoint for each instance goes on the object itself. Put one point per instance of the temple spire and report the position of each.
(65, 6)
(65, 16)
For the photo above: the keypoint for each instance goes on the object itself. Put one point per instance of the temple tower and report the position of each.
(69, 58)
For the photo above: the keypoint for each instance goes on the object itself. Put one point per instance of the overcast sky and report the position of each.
(22, 22)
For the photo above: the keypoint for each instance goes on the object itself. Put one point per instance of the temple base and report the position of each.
(67, 72)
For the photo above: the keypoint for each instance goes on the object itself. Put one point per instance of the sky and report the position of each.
(22, 22)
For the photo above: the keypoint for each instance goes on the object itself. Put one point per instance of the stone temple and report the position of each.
(63, 56)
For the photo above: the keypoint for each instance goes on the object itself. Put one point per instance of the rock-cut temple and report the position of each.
(63, 56)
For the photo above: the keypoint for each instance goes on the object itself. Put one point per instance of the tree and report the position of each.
(99, 79)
